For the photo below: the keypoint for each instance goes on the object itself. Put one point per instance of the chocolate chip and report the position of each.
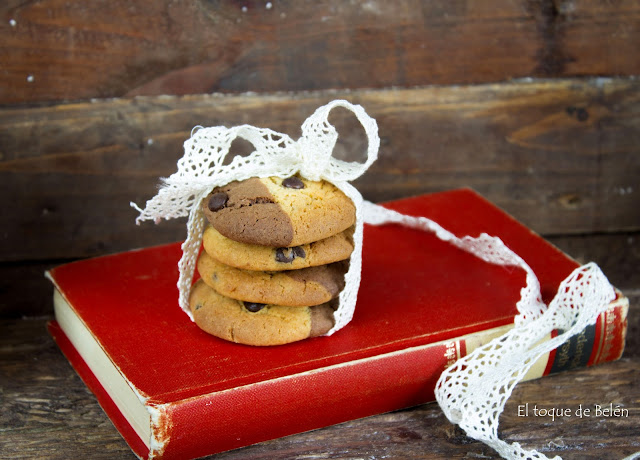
(217, 201)
(254, 307)
(293, 182)
(285, 255)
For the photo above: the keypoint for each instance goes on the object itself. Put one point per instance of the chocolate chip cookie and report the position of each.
(264, 258)
(295, 288)
(280, 213)
(256, 324)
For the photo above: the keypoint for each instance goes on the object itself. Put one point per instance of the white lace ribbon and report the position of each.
(203, 168)
(473, 392)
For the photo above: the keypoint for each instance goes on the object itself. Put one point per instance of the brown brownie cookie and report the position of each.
(265, 258)
(293, 288)
(253, 324)
(279, 212)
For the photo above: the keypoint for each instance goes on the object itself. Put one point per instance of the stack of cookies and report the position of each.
(274, 259)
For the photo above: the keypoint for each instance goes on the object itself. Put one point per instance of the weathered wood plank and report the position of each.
(24, 290)
(55, 50)
(561, 156)
(575, 25)
(47, 412)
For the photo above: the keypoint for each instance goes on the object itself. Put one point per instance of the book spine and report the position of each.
(613, 329)
(596, 344)
(235, 418)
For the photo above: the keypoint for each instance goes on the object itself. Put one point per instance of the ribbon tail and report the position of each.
(473, 392)
(348, 296)
(190, 251)
(488, 248)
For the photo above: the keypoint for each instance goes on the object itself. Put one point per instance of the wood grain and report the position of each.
(59, 50)
(561, 156)
(49, 413)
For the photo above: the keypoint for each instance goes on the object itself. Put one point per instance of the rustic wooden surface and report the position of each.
(53, 50)
(561, 156)
(47, 412)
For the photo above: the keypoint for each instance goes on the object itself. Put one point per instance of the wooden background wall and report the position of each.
(534, 103)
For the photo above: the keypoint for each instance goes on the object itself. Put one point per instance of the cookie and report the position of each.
(265, 258)
(293, 288)
(262, 325)
(279, 212)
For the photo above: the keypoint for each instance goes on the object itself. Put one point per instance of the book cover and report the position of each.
(174, 391)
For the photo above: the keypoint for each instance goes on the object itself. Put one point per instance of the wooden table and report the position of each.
(47, 412)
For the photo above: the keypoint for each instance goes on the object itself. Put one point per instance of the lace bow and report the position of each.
(202, 168)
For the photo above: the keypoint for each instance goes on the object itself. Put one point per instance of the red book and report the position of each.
(174, 391)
